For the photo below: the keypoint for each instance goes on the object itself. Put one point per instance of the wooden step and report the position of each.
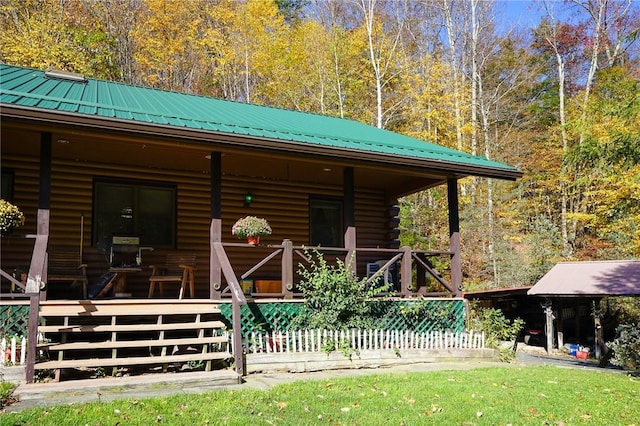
(133, 343)
(115, 362)
(126, 307)
(130, 327)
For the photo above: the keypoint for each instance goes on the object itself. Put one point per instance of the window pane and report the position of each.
(157, 223)
(113, 212)
(325, 218)
(6, 191)
(134, 209)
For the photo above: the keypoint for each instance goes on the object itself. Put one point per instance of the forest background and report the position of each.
(560, 100)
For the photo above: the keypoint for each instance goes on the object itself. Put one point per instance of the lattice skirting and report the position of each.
(420, 315)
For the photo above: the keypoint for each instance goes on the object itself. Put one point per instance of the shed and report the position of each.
(573, 291)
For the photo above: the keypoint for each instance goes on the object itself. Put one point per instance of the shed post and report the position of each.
(548, 310)
(600, 347)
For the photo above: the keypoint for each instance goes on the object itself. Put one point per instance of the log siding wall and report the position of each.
(284, 204)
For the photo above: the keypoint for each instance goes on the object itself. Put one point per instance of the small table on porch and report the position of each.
(121, 279)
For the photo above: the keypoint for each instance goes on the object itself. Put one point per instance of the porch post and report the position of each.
(32, 330)
(38, 268)
(349, 218)
(215, 232)
(454, 236)
(287, 269)
(405, 271)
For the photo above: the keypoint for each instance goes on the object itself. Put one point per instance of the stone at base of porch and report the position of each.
(307, 361)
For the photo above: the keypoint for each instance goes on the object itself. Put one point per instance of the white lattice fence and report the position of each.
(13, 351)
(319, 340)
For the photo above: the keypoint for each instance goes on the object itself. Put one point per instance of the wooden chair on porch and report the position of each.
(65, 265)
(178, 268)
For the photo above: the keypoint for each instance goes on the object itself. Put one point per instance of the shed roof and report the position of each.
(603, 278)
(24, 91)
(496, 293)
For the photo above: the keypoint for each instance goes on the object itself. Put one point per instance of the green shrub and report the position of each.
(626, 347)
(335, 298)
(497, 329)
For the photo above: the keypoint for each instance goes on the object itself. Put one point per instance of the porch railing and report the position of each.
(405, 260)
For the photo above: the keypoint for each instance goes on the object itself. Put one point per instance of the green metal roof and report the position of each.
(32, 89)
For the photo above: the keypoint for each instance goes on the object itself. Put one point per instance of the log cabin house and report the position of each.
(87, 160)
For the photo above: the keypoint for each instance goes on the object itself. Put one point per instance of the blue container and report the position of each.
(573, 349)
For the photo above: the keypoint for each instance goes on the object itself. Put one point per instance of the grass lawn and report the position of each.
(484, 396)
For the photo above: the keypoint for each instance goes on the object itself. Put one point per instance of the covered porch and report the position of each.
(89, 160)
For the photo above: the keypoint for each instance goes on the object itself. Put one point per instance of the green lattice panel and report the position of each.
(431, 315)
(264, 316)
(14, 320)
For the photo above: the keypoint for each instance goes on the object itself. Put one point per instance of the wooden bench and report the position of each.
(119, 333)
(65, 265)
(178, 268)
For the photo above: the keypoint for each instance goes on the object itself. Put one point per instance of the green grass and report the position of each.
(6, 389)
(486, 396)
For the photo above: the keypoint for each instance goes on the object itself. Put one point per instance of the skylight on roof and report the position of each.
(65, 75)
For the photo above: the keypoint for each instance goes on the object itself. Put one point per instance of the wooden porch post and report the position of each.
(405, 271)
(454, 236)
(287, 269)
(38, 268)
(215, 232)
(349, 218)
(32, 330)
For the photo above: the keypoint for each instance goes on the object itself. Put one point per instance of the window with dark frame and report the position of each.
(6, 190)
(134, 208)
(326, 222)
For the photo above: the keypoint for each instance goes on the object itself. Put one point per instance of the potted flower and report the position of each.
(252, 228)
(10, 217)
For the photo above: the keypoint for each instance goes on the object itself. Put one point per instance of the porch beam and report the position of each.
(215, 231)
(349, 217)
(454, 236)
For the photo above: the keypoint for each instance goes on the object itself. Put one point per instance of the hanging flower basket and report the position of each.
(251, 227)
(10, 217)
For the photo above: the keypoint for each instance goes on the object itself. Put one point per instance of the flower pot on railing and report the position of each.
(251, 228)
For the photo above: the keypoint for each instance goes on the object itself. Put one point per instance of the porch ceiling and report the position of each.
(170, 154)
